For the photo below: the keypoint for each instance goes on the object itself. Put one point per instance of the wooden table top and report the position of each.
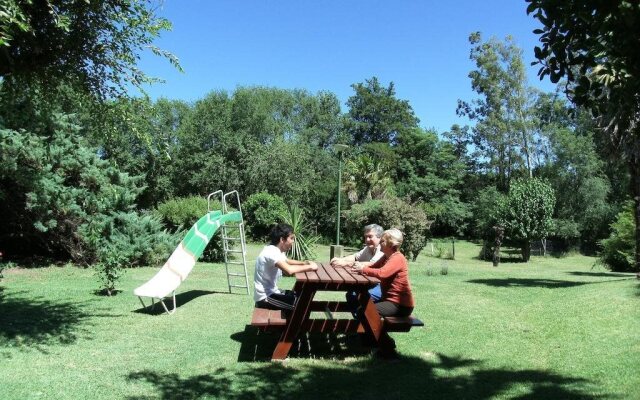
(339, 275)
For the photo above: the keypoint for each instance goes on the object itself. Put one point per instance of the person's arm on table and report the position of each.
(291, 267)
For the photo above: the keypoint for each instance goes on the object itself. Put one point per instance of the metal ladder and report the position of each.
(232, 235)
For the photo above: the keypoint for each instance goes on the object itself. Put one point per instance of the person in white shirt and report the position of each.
(271, 263)
(365, 257)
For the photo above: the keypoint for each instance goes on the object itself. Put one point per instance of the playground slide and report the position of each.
(184, 257)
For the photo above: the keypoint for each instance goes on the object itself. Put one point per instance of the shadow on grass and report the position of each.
(528, 282)
(441, 377)
(36, 322)
(258, 346)
(602, 274)
(181, 300)
(543, 283)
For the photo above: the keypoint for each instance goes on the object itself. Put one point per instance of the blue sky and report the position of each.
(422, 46)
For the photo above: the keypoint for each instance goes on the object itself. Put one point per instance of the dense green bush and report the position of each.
(618, 250)
(140, 239)
(180, 214)
(390, 213)
(57, 195)
(261, 211)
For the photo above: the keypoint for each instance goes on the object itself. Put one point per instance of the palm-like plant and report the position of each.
(303, 246)
(367, 178)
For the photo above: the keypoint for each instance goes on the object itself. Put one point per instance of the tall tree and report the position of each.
(594, 45)
(526, 212)
(428, 171)
(503, 133)
(376, 115)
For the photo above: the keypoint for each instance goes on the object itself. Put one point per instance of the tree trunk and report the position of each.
(499, 231)
(526, 250)
(634, 166)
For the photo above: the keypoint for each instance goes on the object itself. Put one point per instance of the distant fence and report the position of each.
(542, 247)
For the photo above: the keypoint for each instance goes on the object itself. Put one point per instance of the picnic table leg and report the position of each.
(373, 326)
(370, 318)
(300, 313)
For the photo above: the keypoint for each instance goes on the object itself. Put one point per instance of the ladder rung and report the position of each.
(231, 238)
(239, 286)
(235, 262)
(234, 251)
(234, 274)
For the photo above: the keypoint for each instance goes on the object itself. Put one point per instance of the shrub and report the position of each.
(181, 213)
(139, 239)
(618, 250)
(62, 200)
(391, 213)
(261, 211)
(124, 240)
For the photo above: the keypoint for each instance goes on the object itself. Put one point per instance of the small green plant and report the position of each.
(444, 269)
(429, 270)
(438, 249)
(303, 246)
(110, 269)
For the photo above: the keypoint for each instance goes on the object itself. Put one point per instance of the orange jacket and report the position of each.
(393, 273)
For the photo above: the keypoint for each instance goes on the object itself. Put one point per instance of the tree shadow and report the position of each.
(36, 322)
(181, 300)
(544, 283)
(602, 274)
(442, 377)
(528, 282)
(256, 345)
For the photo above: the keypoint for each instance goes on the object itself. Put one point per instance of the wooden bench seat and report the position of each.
(264, 318)
(401, 324)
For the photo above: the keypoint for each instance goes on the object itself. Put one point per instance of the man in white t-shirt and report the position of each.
(365, 257)
(271, 262)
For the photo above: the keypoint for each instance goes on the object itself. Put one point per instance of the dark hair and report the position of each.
(280, 231)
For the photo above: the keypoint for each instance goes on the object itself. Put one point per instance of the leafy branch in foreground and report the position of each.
(95, 44)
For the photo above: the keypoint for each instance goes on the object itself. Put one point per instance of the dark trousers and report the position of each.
(390, 309)
(278, 301)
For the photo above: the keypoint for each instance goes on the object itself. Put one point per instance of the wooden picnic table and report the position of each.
(328, 278)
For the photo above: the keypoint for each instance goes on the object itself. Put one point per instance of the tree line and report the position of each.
(83, 171)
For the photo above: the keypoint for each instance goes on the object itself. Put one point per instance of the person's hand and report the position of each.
(314, 266)
(357, 267)
(338, 262)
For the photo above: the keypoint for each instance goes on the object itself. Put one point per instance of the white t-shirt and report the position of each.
(267, 274)
(366, 255)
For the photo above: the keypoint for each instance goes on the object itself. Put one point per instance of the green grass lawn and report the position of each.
(555, 328)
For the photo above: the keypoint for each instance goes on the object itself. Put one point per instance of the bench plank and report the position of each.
(263, 317)
(401, 324)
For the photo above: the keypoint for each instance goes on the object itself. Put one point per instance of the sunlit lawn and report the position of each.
(555, 328)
